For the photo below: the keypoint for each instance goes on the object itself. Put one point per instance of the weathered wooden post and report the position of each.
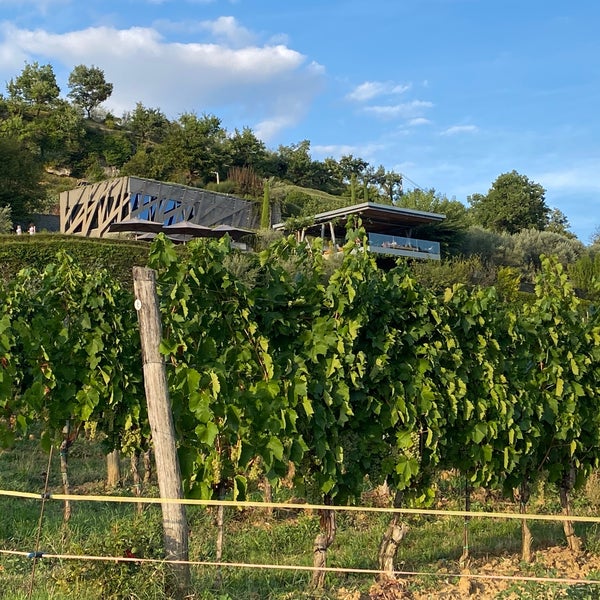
(160, 416)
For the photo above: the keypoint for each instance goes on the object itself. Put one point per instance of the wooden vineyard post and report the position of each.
(175, 525)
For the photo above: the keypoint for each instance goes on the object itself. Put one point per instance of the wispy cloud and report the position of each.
(582, 177)
(458, 129)
(366, 151)
(405, 110)
(418, 121)
(41, 7)
(373, 89)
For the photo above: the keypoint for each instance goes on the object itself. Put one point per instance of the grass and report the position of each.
(434, 543)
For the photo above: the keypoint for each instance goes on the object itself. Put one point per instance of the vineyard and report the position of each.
(285, 368)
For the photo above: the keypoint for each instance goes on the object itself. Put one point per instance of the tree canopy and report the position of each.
(89, 88)
(20, 175)
(513, 203)
(36, 85)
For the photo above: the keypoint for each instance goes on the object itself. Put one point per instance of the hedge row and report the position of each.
(117, 256)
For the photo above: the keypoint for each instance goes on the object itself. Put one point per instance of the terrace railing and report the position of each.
(403, 246)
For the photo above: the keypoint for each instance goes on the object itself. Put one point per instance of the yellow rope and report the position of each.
(341, 570)
(315, 507)
(40, 521)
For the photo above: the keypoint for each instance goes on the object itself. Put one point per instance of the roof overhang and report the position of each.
(375, 217)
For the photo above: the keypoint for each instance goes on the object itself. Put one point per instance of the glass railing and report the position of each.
(379, 242)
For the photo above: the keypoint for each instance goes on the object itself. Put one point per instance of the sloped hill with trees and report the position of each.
(50, 140)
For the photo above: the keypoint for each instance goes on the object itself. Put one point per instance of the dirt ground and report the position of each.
(560, 562)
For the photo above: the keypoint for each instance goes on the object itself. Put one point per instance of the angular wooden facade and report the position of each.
(89, 210)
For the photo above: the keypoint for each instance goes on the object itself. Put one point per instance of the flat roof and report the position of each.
(380, 217)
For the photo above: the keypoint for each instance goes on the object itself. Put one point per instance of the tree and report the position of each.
(530, 245)
(513, 203)
(559, 223)
(89, 88)
(5, 219)
(194, 148)
(146, 124)
(391, 185)
(245, 149)
(35, 86)
(20, 176)
(585, 275)
(451, 230)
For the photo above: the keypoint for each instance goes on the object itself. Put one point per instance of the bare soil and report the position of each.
(482, 579)
(554, 562)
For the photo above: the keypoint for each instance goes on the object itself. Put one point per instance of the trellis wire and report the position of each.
(36, 554)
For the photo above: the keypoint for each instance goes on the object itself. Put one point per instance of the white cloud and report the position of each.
(272, 85)
(406, 110)
(229, 31)
(268, 129)
(366, 151)
(419, 121)
(582, 177)
(457, 129)
(373, 89)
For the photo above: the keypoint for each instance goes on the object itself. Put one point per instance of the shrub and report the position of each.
(118, 256)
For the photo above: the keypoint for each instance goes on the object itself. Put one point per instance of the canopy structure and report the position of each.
(180, 232)
(235, 233)
(135, 225)
(189, 228)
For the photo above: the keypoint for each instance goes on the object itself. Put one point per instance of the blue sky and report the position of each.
(450, 93)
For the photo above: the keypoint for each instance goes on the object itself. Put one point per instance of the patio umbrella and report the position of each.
(235, 233)
(146, 237)
(136, 225)
(188, 228)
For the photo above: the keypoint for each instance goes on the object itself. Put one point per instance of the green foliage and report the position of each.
(265, 213)
(6, 223)
(74, 340)
(437, 275)
(585, 275)
(148, 125)
(508, 282)
(303, 202)
(35, 86)
(88, 87)
(351, 374)
(491, 247)
(529, 245)
(513, 203)
(559, 223)
(19, 252)
(20, 188)
(139, 538)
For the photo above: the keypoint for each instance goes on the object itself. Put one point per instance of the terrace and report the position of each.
(394, 245)
(389, 229)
